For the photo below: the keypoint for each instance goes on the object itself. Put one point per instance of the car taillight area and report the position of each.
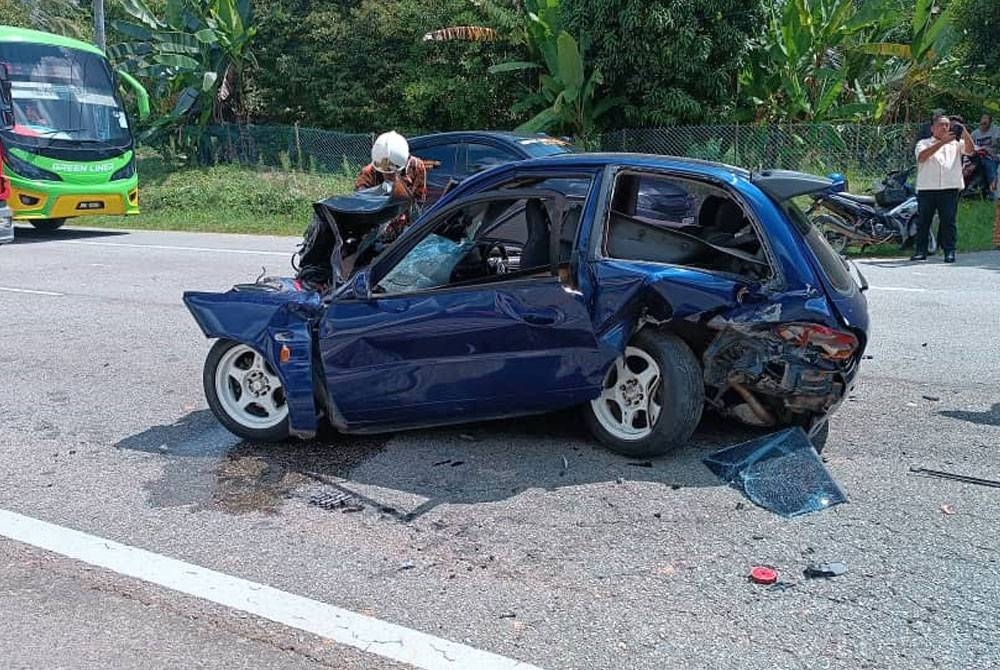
(784, 373)
(832, 345)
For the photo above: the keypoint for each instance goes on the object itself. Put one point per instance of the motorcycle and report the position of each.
(847, 219)
(974, 171)
(895, 188)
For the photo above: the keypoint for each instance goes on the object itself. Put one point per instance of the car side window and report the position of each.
(676, 221)
(483, 156)
(439, 158)
(482, 242)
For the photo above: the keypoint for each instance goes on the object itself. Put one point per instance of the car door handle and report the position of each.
(539, 317)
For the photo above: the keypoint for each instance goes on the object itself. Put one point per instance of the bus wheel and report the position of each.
(47, 225)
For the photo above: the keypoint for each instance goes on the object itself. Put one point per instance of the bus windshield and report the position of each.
(65, 94)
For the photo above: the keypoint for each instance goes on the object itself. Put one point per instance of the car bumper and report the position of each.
(58, 200)
(6, 225)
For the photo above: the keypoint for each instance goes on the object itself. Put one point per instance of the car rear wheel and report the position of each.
(245, 393)
(651, 399)
(832, 230)
(47, 225)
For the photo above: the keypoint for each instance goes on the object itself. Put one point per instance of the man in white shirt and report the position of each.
(939, 181)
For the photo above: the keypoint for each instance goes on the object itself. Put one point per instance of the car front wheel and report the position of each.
(652, 397)
(245, 393)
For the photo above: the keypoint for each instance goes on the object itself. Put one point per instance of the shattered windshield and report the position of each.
(63, 94)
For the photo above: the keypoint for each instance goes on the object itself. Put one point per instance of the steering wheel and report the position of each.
(501, 266)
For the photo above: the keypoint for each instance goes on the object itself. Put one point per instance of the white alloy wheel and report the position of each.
(248, 389)
(629, 404)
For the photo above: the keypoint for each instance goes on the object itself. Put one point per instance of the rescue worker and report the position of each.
(392, 162)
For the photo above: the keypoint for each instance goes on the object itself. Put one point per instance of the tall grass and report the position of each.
(224, 198)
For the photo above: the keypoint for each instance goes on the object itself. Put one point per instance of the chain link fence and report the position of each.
(852, 149)
(285, 147)
(816, 148)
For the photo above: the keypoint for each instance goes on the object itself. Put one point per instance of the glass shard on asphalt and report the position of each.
(781, 472)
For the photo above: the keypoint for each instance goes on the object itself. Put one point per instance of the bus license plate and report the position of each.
(91, 204)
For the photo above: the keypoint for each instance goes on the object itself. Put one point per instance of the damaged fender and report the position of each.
(752, 373)
(267, 320)
(777, 366)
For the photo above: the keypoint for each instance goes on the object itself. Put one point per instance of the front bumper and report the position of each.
(59, 200)
(6, 225)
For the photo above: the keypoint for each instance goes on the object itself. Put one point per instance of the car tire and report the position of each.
(832, 228)
(47, 225)
(656, 370)
(233, 370)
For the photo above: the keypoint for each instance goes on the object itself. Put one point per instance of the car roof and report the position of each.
(648, 161)
(505, 137)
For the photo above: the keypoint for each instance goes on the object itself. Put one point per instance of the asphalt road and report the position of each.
(523, 539)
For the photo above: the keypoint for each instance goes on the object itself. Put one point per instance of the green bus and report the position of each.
(68, 148)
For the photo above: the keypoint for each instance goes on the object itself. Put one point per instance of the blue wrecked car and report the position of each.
(549, 284)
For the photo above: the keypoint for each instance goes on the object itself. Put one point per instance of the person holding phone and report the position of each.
(939, 182)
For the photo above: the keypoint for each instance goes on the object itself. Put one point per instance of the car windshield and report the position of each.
(539, 147)
(64, 94)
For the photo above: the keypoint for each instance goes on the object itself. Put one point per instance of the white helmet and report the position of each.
(390, 152)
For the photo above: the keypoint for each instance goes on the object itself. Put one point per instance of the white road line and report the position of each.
(31, 292)
(349, 628)
(167, 247)
(903, 289)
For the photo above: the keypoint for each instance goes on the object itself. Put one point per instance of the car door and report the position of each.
(442, 344)
(443, 167)
(694, 243)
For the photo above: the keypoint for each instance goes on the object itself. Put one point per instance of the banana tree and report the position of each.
(196, 55)
(922, 64)
(799, 70)
(566, 92)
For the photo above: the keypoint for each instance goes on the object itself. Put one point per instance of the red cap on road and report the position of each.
(763, 575)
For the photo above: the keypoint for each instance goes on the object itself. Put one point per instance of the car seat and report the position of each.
(535, 252)
(567, 232)
(723, 221)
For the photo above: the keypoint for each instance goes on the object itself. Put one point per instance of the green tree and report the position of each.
(62, 17)
(15, 14)
(803, 66)
(919, 66)
(194, 56)
(672, 62)
(978, 25)
(363, 66)
(566, 89)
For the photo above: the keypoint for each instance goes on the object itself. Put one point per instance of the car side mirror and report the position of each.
(141, 96)
(362, 285)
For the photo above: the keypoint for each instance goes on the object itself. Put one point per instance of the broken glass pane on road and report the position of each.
(780, 472)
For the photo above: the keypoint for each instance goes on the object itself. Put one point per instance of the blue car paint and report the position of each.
(266, 321)
(469, 354)
(482, 352)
